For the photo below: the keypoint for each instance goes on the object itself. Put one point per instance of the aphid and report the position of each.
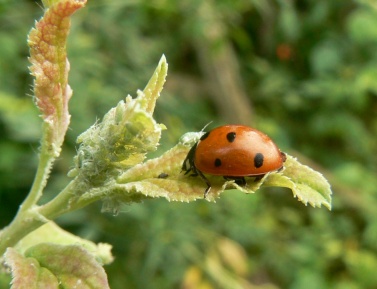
(163, 176)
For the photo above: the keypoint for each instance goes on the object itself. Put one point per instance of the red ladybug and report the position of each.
(234, 152)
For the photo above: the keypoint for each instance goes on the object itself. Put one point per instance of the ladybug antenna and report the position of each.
(206, 125)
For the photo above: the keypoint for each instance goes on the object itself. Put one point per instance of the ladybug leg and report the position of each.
(188, 164)
(241, 181)
(203, 177)
(206, 181)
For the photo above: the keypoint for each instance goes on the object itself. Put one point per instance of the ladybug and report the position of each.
(234, 152)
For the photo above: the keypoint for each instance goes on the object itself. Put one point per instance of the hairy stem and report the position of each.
(28, 220)
(46, 160)
(65, 201)
(22, 225)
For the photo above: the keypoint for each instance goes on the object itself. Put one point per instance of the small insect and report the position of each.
(234, 152)
(162, 176)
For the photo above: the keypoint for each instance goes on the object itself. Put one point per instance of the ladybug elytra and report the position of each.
(234, 152)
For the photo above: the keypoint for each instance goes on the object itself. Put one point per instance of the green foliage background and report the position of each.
(307, 71)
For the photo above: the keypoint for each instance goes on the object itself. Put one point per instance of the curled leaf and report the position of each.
(56, 266)
(27, 273)
(154, 87)
(124, 136)
(52, 233)
(48, 56)
(307, 185)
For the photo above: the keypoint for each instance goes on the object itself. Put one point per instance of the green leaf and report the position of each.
(125, 135)
(176, 186)
(154, 87)
(27, 273)
(307, 185)
(163, 177)
(146, 178)
(50, 265)
(52, 233)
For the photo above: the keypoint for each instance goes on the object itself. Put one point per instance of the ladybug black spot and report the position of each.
(231, 136)
(204, 136)
(258, 160)
(217, 162)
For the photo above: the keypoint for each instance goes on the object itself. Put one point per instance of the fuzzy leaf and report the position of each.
(307, 185)
(154, 87)
(50, 265)
(162, 177)
(125, 135)
(27, 273)
(47, 42)
(52, 233)
(174, 185)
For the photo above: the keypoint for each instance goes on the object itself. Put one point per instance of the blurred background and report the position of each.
(304, 72)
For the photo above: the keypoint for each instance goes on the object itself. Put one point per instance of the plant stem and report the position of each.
(21, 225)
(46, 160)
(64, 202)
(27, 218)
(27, 221)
